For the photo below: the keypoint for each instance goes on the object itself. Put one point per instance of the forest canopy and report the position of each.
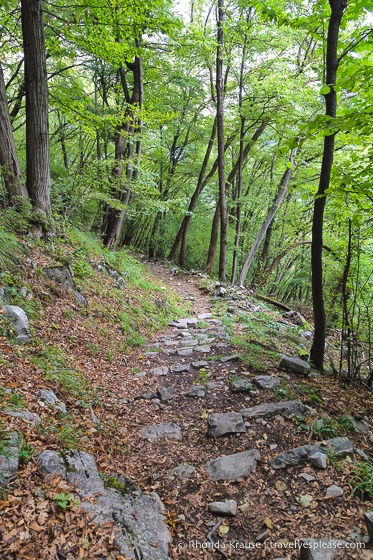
(232, 137)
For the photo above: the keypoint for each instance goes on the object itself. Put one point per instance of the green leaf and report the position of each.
(325, 90)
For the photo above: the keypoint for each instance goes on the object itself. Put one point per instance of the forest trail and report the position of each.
(182, 377)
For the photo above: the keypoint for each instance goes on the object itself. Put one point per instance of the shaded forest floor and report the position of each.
(109, 386)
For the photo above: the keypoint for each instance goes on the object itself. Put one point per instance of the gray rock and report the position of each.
(205, 349)
(229, 507)
(165, 393)
(285, 408)
(231, 467)
(19, 321)
(61, 275)
(320, 549)
(340, 446)
(26, 415)
(189, 342)
(307, 477)
(182, 471)
(12, 443)
(184, 323)
(196, 391)
(318, 460)
(199, 365)
(117, 278)
(240, 386)
(363, 455)
(368, 520)
(220, 292)
(22, 339)
(145, 397)
(169, 429)
(185, 351)
(296, 365)
(266, 381)
(232, 358)
(360, 426)
(163, 370)
(220, 424)
(49, 397)
(181, 368)
(140, 531)
(334, 491)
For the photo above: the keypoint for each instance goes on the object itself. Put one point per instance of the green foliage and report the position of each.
(361, 482)
(66, 499)
(10, 251)
(202, 378)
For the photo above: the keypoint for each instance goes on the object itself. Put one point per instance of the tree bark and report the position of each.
(209, 268)
(220, 134)
(11, 170)
(267, 222)
(318, 344)
(36, 88)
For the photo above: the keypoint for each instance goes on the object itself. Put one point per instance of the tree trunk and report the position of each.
(267, 222)
(11, 170)
(36, 88)
(209, 268)
(318, 344)
(220, 131)
(114, 219)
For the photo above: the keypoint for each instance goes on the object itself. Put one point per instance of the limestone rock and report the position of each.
(320, 549)
(49, 397)
(165, 393)
(19, 321)
(12, 444)
(204, 349)
(231, 467)
(296, 365)
(181, 368)
(196, 391)
(117, 278)
(220, 424)
(229, 507)
(240, 386)
(334, 491)
(232, 358)
(26, 415)
(168, 429)
(319, 460)
(61, 275)
(368, 520)
(266, 381)
(286, 408)
(340, 446)
(163, 370)
(200, 364)
(140, 530)
(185, 351)
(182, 471)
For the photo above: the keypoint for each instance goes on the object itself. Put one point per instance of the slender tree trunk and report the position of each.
(267, 222)
(11, 170)
(209, 268)
(36, 88)
(318, 345)
(114, 219)
(240, 168)
(220, 129)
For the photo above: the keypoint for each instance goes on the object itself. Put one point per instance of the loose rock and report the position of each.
(196, 391)
(240, 386)
(12, 443)
(266, 381)
(334, 491)
(229, 507)
(231, 467)
(49, 397)
(220, 424)
(169, 429)
(341, 446)
(296, 365)
(286, 408)
(319, 460)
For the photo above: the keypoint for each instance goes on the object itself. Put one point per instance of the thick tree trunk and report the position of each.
(318, 344)
(11, 170)
(220, 129)
(267, 222)
(36, 88)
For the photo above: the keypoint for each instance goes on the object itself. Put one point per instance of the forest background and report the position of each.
(231, 137)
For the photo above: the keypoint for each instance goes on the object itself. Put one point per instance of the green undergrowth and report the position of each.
(263, 334)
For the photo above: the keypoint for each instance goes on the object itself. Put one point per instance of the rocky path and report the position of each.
(200, 456)
(210, 436)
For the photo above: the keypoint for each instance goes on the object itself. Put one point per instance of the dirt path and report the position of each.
(196, 357)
